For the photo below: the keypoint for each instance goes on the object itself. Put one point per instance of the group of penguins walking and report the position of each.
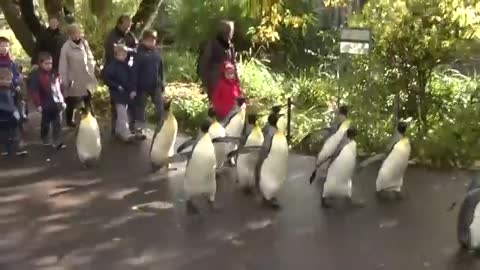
(261, 160)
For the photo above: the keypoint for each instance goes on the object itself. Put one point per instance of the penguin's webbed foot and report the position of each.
(356, 204)
(247, 190)
(386, 195)
(326, 203)
(272, 203)
(191, 208)
(213, 206)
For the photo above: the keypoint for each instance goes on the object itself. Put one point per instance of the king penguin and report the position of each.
(216, 130)
(341, 165)
(468, 225)
(163, 141)
(271, 170)
(328, 149)
(235, 124)
(246, 161)
(390, 176)
(89, 143)
(200, 178)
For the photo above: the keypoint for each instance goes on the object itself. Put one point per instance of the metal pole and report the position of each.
(289, 119)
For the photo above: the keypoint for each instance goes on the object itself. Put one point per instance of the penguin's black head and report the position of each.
(273, 119)
(402, 128)
(276, 109)
(84, 111)
(211, 113)
(240, 101)
(343, 110)
(167, 103)
(252, 118)
(205, 126)
(352, 133)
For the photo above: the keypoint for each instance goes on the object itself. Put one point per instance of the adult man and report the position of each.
(216, 52)
(120, 34)
(50, 40)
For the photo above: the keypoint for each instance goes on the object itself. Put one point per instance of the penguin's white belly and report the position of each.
(234, 129)
(273, 172)
(246, 168)
(390, 175)
(200, 172)
(164, 143)
(475, 229)
(220, 148)
(339, 175)
(330, 145)
(89, 145)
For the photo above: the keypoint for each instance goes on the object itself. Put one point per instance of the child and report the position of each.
(9, 115)
(45, 90)
(226, 91)
(148, 80)
(117, 75)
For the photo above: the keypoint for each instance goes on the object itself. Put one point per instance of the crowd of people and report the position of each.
(64, 77)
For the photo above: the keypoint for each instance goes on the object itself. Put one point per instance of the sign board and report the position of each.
(354, 47)
(355, 40)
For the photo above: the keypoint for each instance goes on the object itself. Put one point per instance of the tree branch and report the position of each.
(22, 32)
(146, 14)
(30, 17)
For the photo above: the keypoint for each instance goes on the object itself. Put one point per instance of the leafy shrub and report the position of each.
(180, 65)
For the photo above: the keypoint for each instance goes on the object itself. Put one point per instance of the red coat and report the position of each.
(225, 93)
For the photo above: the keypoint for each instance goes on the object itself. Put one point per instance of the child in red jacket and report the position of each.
(226, 91)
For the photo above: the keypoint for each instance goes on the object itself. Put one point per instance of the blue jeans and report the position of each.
(141, 103)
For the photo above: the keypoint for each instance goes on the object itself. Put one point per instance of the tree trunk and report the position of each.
(54, 8)
(99, 8)
(30, 17)
(146, 13)
(19, 27)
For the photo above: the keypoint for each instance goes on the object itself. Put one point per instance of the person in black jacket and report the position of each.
(50, 40)
(120, 35)
(116, 76)
(148, 79)
(214, 54)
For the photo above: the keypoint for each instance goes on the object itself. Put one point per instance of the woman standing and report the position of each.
(77, 72)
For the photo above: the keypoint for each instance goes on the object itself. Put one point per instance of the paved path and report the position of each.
(55, 215)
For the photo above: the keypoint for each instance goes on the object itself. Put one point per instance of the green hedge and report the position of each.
(453, 132)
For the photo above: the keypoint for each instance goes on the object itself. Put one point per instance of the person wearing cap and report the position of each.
(116, 76)
(148, 80)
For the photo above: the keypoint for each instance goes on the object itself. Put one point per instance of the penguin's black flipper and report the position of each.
(186, 144)
(313, 176)
(180, 157)
(371, 160)
(226, 139)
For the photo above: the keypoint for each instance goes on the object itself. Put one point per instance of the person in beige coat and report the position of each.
(77, 72)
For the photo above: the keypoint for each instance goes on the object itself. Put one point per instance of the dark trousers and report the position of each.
(51, 118)
(9, 136)
(131, 115)
(74, 103)
(141, 103)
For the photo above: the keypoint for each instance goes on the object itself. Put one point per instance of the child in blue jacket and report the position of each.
(117, 75)
(9, 115)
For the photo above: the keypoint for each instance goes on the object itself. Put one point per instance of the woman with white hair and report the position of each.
(77, 72)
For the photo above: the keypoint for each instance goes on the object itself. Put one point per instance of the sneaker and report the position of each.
(22, 153)
(140, 135)
(59, 146)
(46, 142)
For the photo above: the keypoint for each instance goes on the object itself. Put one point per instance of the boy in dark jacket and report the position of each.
(45, 90)
(9, 115)
(148, 80)
(116, 76)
